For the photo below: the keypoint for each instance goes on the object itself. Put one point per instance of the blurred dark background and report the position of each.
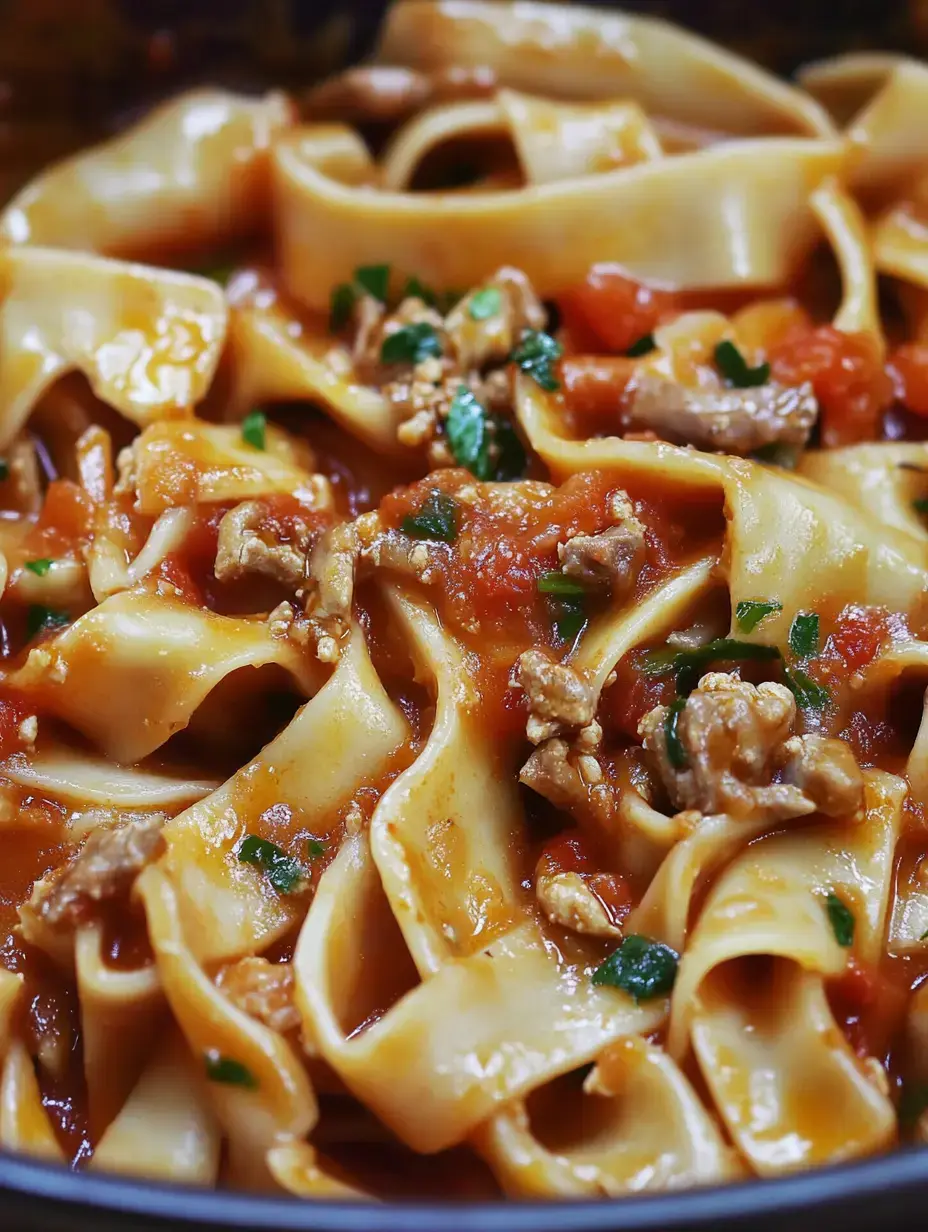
(72, 71)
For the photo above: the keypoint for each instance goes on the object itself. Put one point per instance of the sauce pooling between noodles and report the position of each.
(464, 623)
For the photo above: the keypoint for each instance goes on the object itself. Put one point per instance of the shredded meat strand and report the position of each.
(731, 733)
(105, 868)
(737, 421)
(264, 990)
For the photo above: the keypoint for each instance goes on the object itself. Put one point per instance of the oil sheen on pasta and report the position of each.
(464, 562)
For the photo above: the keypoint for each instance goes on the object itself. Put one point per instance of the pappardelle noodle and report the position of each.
(464, 621)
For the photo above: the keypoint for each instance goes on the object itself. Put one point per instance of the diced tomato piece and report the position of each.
(65, 522)
(625, 703)
(849, 380)
(908, 369)
(614, 309)
(869, 1007)
(594, 391)
(858, 636)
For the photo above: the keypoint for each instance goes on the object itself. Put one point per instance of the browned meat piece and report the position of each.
(332, 572)
(558, 698)
(246, 546)
(264, 990)
(731, 734)
(826, 771)
(568, 901)
(374, 326)
(570, 776)
(382, 93)
(610, 560)
(737, 421)
(105, 868)
(491, 339)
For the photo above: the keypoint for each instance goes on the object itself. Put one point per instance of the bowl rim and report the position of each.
(34, 1188)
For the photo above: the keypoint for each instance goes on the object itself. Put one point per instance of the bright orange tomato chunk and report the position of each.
(612, 311)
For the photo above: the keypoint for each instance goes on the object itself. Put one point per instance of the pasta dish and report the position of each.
(464, 568)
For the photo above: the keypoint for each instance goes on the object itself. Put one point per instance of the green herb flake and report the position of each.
(486, 303)
(228, 1071)
(219, 271)
(414, 289)
(341, 305)
(642, 968)
(315, 848)
(373, 280)
(4, 469)
(921, 505)
(39, 619)
(809, 694)
(777, 454)
(536, 355)
(283, 872)
(733, 367)
(487, 445)
(750, 612)
(569, 613)
(804, 635)
(842, 920)
(924, 936)
(39, 567)
(912, 1103)
(467, 433)
(254, 429)
(437, 518)
(411, 344)
(676, 753)
(644, 346)
(690, 665)
(557, 583)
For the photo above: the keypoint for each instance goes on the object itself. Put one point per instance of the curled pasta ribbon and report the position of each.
(546, 48)
(651, 1132)
(24, 1124)
(159, 658)
(148, 340)
(772, 901)
(278, 1104)
(659, 219)
(355, 729)
(191, 175)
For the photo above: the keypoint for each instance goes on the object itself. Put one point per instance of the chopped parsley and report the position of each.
(569, 614)
(283, 872)
(228, 1071)
(411, 344)
(557, 583)
(803, 635)
(486, 303)
(676, 753)
(750, 612)
(39, 618)
(809, 694)
(4, 469)
(254, 429)
(777, 454)
(642, 968)
(315, 848)
(374, 280)
(368, 280)
(734, 368)
(39, 567)
(437, 518)
(921, 505)
(414, 289)
(644, 346)
(536, 355)
(341, 303)
(689, 665)
(924, 936)
(842, 920)
(486, 444)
